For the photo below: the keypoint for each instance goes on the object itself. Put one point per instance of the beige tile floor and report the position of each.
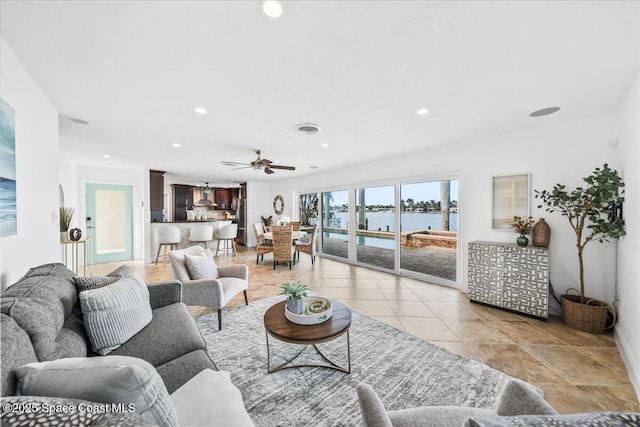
(578, 371)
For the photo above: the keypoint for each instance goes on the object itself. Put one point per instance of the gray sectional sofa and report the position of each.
(41, 320)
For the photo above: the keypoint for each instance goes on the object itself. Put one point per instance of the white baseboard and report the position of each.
(633, 368)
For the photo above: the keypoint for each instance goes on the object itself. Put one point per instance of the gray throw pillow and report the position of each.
(129, 381)
(201, 266)
(115, 313)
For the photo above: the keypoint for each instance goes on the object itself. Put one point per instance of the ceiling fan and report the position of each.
(259, 164)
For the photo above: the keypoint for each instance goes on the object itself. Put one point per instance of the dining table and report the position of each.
(295, 235)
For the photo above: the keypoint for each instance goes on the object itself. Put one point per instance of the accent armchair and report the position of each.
(214, 292)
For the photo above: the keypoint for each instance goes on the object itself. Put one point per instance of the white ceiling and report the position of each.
(360, 70)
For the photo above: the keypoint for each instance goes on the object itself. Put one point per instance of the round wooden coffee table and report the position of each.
(281, 328)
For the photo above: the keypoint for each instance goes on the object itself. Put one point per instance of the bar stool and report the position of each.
(167, 236)
(201, 234)
(226, 233)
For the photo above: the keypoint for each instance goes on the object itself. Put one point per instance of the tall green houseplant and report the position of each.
(590, 210)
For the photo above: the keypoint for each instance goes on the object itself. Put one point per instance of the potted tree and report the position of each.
(591, 212)
(294, 292)
(66, 215)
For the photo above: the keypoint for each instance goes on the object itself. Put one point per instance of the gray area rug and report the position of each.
(404, 370)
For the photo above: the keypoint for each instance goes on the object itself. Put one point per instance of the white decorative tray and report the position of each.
(308, 317)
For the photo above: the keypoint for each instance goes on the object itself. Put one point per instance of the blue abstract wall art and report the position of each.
(8, 207)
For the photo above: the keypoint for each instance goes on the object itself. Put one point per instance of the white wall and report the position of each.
(562, 153)
(628, 252)
(38, 238)
(259, 203)
(135, 178)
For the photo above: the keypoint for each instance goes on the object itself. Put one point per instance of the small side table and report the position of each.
(281, 328)
(87, 245)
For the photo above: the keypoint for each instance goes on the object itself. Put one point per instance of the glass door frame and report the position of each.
(397, 183)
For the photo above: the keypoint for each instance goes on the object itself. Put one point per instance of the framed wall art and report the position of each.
(8, 206)
(510, 197)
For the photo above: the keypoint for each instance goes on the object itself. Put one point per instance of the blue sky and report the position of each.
(423, 191)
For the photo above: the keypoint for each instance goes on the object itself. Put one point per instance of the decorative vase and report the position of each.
(294, 306)
(64, 236)
(522, 240)
(75, 234)
(541, 234)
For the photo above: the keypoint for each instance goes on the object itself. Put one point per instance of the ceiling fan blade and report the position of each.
(244, 167)
(228, 163)
(265, 162)
(289, 168)
(268, 171)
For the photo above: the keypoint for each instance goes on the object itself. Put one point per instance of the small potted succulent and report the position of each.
(522, 226)
(294, 292)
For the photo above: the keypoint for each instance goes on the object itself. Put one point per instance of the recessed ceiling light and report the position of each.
(175, 144)
(313, 167)
(79, 121)
(272, 8)
(325, 145)
(200, 110)
(544, 112)
(423, 112)
(106, 156)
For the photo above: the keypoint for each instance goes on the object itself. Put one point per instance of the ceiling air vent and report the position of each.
(308, 128)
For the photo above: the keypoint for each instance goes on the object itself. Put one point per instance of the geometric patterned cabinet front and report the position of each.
(510, 276)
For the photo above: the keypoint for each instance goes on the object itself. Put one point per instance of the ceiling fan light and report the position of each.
(272, 8)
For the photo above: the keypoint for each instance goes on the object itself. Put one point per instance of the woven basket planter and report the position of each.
(589, 317)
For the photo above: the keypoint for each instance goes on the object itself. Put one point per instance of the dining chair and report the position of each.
(295, 225)
(282, 245)
(308, 247)
(261, 246)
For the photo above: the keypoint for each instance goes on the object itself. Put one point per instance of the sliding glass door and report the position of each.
(375, 226)
(335, 223)
(408, 228)
(429, 224)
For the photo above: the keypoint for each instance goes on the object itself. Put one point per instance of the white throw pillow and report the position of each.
(115, 313)
(210, 399)
(129, 381)
(201, 266)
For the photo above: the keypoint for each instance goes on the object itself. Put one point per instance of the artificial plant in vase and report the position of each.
(66, 216)
(294, 292)
(590, 210)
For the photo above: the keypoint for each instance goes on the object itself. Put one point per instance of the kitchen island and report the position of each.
(185, 227)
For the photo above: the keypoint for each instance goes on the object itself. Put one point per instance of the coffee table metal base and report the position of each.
(288, 364)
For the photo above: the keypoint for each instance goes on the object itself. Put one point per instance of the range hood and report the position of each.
(204, 201)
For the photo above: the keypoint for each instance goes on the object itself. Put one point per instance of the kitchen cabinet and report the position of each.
(508, 276)
(223, 198)
(156, 195)
(182, 201)
(156, 187)
(227, 198)
(235, 192)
